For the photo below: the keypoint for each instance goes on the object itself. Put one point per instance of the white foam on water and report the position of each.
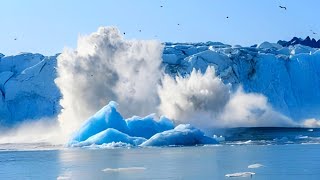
(241, 174)
(127, 169)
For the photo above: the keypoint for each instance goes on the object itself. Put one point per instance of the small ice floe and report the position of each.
(241, 174)
(310, 130)
(301, 137)
(241, 142)
(127, 169)
(63, 178)
(254, 166)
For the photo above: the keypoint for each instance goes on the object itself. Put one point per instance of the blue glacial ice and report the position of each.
(111, 135)
(182, 135)
(108, 126)
(287, 73)
(107, 117)
(147, 126)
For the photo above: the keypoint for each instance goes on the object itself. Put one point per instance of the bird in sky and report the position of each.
(283, 7)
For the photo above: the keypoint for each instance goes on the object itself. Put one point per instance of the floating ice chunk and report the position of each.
(128, 169)
(108, 126)
(254, 166)
(301, 137)
(111, 135)
(107, 117)
(147, 127)
(64, 178)
(182, 135)
(241, 174)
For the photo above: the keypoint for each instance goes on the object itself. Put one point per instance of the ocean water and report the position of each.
(280, 161)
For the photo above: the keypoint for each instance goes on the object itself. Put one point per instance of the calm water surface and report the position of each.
(296, 161)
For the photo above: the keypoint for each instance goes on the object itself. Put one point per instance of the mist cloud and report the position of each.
(205, 101)
(106, 67)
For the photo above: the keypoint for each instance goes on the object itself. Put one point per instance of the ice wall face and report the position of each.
(27, 89)
(287, 76)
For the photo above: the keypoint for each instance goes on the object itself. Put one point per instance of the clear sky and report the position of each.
(47, 26)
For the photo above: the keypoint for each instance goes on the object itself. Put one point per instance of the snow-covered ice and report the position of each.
(278, 82)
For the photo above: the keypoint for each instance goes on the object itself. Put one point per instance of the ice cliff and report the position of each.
(288, 75)
(27, 88)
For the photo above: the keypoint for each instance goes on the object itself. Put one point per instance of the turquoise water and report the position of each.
(291, 161)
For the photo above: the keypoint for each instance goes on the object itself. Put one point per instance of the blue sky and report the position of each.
(49, 26)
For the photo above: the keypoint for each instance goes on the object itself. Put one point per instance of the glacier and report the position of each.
(27, 88)
(288, 75)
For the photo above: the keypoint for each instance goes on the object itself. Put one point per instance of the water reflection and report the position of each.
(206, 162)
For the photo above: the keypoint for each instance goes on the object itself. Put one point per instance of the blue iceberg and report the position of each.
(182, 135)
(107, 117)
(111, 135)
(147, 127)
(108, 126)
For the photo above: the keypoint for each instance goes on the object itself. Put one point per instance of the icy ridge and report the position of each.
(287, 76)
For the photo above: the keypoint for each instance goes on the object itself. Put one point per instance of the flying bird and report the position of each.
(124, 33)
(227, 17)
(140, 30)
(283, 7)
(313, 32)
(161, 6)
(15, 39)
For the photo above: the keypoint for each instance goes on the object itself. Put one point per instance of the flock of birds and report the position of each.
(227, 17)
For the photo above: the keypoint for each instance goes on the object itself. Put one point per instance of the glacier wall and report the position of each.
(287, 76)
(27, 88)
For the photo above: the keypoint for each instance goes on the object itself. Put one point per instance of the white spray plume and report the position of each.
(196, 99)
(251, 110)
(205, 101)
(106, 67)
